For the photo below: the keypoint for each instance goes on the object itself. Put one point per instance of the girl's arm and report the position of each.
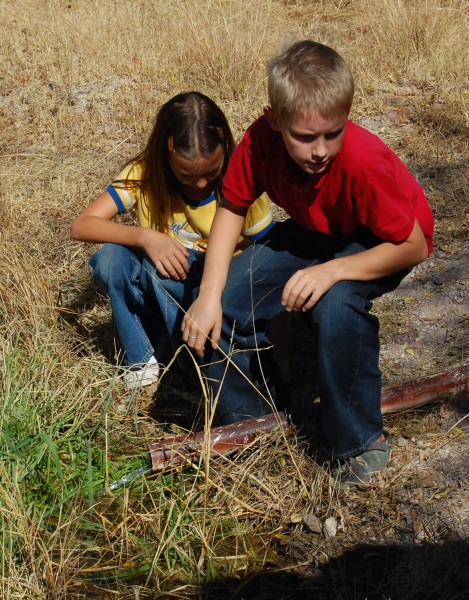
(307, 286)
(95, 225)
(203, 319)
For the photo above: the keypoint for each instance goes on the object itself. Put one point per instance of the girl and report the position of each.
(151, 270)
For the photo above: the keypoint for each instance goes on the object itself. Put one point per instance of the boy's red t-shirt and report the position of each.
(366, 187)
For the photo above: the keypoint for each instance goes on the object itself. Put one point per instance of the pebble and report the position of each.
(330, 528)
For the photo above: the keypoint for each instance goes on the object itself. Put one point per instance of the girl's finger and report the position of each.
(161, 269)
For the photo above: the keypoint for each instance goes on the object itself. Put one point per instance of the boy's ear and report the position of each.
(271, 118)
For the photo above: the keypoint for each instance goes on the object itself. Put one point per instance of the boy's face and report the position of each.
(311, 140)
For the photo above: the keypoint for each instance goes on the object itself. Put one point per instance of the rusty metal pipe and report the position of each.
(222, 440)
(175, 451)
(412, 394)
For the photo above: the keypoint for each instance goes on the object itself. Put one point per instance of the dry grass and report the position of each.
(80, 85)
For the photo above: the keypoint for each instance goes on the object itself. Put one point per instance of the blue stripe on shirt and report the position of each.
(115, 196)
(261, 234)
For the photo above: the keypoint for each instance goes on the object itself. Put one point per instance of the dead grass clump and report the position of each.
(416, 35)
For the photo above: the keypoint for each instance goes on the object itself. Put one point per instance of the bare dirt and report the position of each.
(429, 331)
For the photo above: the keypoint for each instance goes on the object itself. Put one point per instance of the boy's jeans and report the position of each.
(346, 334)
(145, 305)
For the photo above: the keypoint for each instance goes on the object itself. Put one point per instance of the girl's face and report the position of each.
(197, 173)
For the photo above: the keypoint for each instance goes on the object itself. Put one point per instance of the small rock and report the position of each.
(296, 518)
(330, 528)
(408, 520)
(402, 442)
(312, 523)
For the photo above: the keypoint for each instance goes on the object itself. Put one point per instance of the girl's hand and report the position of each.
(95, 225)
(306, 287)
(202, 321)
(167, 254)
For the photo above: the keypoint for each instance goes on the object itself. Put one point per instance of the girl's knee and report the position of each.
(110, 263)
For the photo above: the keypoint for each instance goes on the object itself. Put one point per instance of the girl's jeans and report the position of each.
(345, 332)
(146, 306)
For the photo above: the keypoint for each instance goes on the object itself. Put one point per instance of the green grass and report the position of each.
(57, 472)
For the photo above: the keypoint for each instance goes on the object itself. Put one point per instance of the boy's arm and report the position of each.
(95, 225)
(307, 286)
(203, 319)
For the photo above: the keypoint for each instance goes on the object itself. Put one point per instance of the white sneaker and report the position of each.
(143, 376)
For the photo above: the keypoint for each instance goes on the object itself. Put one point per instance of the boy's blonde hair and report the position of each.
(309, 77)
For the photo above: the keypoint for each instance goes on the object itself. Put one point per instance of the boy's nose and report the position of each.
(319, 150)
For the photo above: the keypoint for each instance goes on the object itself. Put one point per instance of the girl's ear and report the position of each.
(271, 118)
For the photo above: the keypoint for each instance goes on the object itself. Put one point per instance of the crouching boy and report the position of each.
(358, 223)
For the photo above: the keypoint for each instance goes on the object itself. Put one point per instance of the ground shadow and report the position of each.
(87, 311)
(367, 572)
(179, 399)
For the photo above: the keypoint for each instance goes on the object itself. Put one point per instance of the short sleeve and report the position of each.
(125, 190)
(259, 219)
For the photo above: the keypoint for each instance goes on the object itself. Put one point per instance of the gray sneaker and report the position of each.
(361, 468)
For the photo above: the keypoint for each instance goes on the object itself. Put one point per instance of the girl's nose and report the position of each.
(201, 183)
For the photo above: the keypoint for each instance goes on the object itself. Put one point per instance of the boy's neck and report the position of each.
(307, 177)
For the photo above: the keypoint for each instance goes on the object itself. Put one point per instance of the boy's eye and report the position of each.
(304, 138)
(333, 134)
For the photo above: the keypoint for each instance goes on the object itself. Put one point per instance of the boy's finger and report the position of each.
(286, 300)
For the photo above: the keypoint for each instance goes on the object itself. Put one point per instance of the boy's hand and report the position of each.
(167, 254)
(202, 321)
(306, 287)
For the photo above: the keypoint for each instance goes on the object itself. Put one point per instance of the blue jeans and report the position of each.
(146, 306)
(345, 332)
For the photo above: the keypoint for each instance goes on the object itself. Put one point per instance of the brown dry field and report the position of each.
(80, 85)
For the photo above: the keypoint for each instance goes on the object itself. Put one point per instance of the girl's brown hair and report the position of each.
(192, 125)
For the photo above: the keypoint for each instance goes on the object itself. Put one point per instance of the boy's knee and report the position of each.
(337, 307)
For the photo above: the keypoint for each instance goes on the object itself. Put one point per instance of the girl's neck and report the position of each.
(194, 194)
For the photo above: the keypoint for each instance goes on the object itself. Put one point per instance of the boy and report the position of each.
(358, 223)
